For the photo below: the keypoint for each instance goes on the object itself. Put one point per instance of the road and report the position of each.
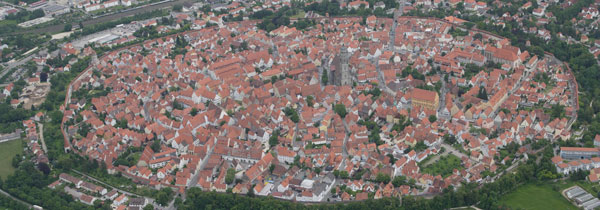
(41, 126)
(150, 200)
(9, 65)
(13, 5)
(436, 158)
(194, 179)
(344, 148)
(16, 199)
(390, 47)
(515, 88)
(443, 92)
(101, 19)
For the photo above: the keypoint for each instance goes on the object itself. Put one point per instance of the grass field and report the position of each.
(299, 15)
(444, 166)
(534, 197)
(7, 151)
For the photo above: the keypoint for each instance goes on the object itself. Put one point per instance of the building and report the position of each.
(572, 153)
(137, 202)
(70, 179)
(120, 200)
(340, 69)
(37, 5)
(576, 191)
(502, 55)
(597, 141)
(89, 200)
(55, 9)
(425, 99)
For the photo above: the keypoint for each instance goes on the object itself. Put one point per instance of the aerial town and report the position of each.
(317, 102)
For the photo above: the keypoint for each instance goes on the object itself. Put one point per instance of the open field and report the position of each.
(299, 15)
(7, 151)
(444, 166)
(533, 196)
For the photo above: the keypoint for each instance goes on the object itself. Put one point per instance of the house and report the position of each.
(138, 202)
(89, 200)
(358, 4)
(8, 89)
(93, 188)
(538, 12)
(425, 99)
(575, 153)
(503, 55)
(285, 155)
(70, 179)
(121, 200)
(111, 195)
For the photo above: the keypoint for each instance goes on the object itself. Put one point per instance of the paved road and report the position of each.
(9, 65)
(194, 179)
(390, 47)
(515, 88)
(436, 158)
(13, 5)
(16, 199)
(344, 148)
(41, 126)
(13, 64)
(443, 92)
(150, 200)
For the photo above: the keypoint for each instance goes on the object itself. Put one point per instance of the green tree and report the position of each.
(310, 101)
(340, 109)
(68, 27)
(177, 8)
(274, 139)
(292, 114)
(382, 178)
(420, 146)
(344, 174)
(432, 118)
(482, 94)
(399, 180)
(164, 196)
(449, 139)
(155, 146)
(230, 175)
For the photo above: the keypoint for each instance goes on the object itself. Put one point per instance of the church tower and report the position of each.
(342, 74)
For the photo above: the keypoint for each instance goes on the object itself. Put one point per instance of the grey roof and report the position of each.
(328, 179)
(137, 201)
(584, 198)
(595, 204)
(319, 187)
(575, 192)
(53, 8)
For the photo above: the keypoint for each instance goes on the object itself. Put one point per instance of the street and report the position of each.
(13, 64)
(16, 199)
(41, 127)
(150, 200)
